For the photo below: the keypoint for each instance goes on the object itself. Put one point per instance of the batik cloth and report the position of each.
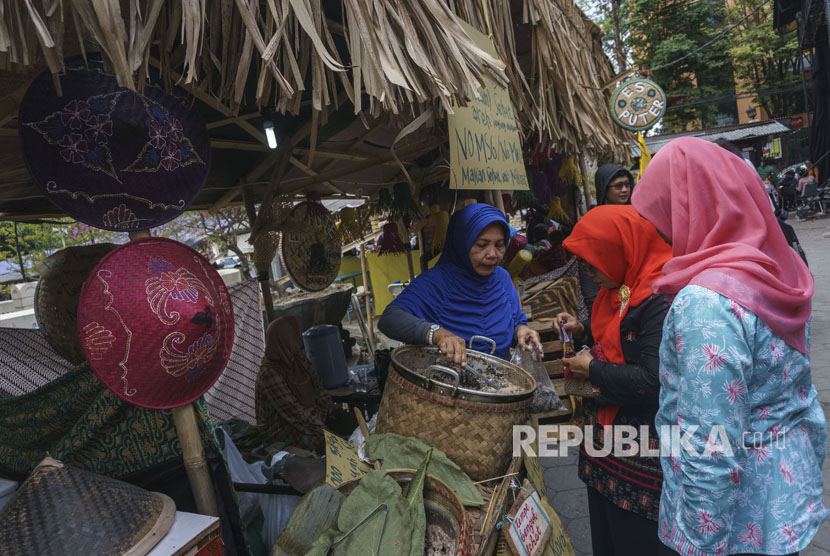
(291, 402)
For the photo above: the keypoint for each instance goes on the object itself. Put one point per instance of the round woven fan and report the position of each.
(312, 257)
(61, 509)
(156, 323)
(111, 157)
(62, 275)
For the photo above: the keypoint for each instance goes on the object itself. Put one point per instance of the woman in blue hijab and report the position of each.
(466, 294)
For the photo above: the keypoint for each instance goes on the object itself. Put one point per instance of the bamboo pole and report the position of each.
(366, 290)
(586, 190)
(193, 453)
(408, 248)
(184, 418)
(497, 200)
(264, 281)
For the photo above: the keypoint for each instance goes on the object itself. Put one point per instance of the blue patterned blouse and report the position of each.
(720, 365)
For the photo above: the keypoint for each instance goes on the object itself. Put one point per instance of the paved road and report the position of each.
(568, 495)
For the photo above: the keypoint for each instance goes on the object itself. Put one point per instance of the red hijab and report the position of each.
(725, 237)
(624, 246)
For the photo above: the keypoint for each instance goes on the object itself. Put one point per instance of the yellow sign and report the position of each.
(485, 149)
(342, 461)
(773, 148)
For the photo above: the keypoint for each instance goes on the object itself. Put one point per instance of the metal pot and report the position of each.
(418, 365)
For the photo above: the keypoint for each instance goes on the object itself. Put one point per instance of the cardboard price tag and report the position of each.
(342, 461)
(527, 524)
(559, 544)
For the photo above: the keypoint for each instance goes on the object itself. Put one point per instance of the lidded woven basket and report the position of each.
(474, 429)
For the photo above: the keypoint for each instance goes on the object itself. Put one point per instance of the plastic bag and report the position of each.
(545, 398)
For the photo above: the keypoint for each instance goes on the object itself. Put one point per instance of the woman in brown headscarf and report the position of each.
(290, 399)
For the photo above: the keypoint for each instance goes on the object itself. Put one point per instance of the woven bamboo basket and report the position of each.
(476, 435)
(443, 508)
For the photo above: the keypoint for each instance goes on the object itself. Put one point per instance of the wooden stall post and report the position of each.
(408, 247)
(265, 285)
(366, 293)
(193, 453)
(586, 190)
(498, 202)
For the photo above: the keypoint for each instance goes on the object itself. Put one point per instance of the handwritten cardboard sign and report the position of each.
(559, 544)
(528, 526)
(342, 461)
(485, 149)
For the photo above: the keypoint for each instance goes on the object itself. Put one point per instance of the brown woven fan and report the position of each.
(62, 276)
(62, 509)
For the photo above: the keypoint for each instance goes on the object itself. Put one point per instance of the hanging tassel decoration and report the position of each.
(556, 212)
(541, 187)
(557, 185)
(508, 204)
(384, 202)
(349, 225)
(390, 240)
(569, 172)
(439, 221)
(403, 205)
(524, 199)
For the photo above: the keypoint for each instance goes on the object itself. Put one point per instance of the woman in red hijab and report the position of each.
(623, 255)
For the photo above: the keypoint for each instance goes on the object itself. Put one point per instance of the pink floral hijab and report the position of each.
(714, 209)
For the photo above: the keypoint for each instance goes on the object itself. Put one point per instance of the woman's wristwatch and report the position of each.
(431, 334)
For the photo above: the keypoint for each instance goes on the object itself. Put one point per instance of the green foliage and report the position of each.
(390, 527)
(764, 59)
(752, 57)
(414, 495)
(314, 515)
(396, 452)
(36, 241)
(661, 32)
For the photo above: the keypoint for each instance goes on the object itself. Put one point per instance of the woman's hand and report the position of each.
(571, 324)
(579, 364)
(453, 347)
(529, 340)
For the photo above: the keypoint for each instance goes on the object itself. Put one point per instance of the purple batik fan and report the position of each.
(110, 157)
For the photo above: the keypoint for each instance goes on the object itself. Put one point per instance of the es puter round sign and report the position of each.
(638, 104)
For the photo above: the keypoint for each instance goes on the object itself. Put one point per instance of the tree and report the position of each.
(610, 15)
(660, 32)
(764, 60)
(222, 229)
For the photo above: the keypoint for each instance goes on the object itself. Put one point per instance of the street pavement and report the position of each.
(567, 493)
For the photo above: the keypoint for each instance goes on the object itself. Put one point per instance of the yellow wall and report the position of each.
(386, 269)
(348, 265)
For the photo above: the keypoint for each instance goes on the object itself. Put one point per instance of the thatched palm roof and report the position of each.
(386, 61)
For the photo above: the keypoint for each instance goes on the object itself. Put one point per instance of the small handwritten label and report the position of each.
(342, 461)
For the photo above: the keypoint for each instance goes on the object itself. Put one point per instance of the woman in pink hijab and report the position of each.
(735, 369)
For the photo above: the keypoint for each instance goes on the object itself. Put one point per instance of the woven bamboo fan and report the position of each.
(61, 509)
(312, 257)
(62, 276)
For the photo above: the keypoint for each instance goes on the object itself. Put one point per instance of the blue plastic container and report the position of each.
(325, 351)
